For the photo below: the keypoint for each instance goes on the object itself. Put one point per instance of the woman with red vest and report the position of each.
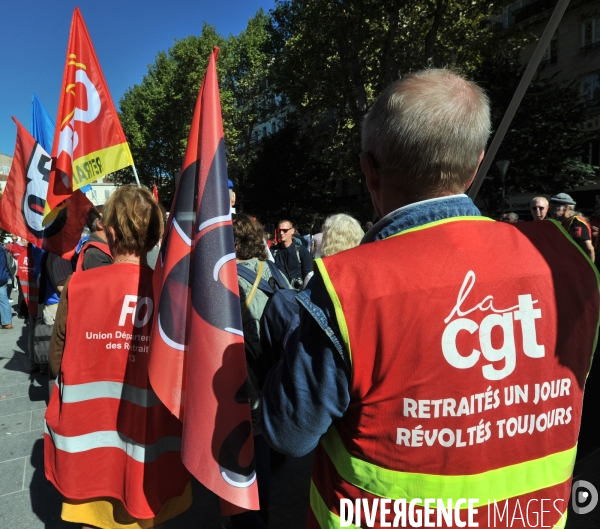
(111, 447)
(95, 251)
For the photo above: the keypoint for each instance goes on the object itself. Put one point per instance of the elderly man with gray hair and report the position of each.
(409, 343)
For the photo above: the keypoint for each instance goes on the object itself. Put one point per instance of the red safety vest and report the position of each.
(102, 246)
(16, 250)
(107, 433)
(27, 280)
(566, 224)
(470, 342)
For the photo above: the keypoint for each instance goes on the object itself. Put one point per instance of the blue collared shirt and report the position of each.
(309, 388)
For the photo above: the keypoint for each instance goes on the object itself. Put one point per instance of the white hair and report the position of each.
(340, 232)
(427, 130)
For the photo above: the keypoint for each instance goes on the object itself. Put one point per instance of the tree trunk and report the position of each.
(388, 61)
(431, 37)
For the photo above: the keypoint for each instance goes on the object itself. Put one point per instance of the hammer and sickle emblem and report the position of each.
(68, 137)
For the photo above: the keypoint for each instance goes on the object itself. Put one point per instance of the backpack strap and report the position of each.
(297, 248)
(277, 276)
(250, 276)
(253, 290)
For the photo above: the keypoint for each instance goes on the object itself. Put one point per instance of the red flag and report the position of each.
(24, 198)
(197, 359)
(89, 142)
(155, 193)
(29, 287)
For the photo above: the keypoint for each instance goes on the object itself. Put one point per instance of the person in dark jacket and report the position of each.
(291, 257)
(5, 310)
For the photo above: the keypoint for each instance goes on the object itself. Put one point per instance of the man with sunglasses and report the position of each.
(539, 208)
(291, 256)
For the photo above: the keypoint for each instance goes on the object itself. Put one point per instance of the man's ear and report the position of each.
(468, 184)
(372, 178)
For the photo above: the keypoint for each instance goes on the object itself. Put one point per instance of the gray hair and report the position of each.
(512, 215)
(428, 130)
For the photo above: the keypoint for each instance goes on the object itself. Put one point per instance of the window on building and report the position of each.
(592, 154)
(509, 12)
(106, 194)
(590, 33)
(590, 89)
(273, 127)
(4, 169)
(551, 54)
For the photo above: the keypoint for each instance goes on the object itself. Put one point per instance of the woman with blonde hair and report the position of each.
(340, 232)
(110, 446)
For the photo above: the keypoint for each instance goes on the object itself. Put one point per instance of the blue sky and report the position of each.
(126, 34)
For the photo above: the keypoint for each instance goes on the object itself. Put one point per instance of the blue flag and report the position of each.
(42, 125)
(42, 129)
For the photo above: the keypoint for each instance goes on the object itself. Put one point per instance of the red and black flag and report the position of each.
(24, 199)
(197, 359)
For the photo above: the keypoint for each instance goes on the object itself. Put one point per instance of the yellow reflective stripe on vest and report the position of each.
(498, 484)
(438, 223)
(324, 516)
(597, 275)
(337, 305)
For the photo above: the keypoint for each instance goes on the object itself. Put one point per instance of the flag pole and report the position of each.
(534, 62)
(136, 176)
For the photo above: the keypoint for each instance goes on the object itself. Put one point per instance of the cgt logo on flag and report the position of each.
(89, 142)
(68, 136)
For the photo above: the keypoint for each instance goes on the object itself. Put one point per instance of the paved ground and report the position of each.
(28, 501)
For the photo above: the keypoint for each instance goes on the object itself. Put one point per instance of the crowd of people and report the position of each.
(354, 336)
(561, 207)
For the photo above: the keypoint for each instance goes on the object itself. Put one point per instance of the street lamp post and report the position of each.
(502, 166)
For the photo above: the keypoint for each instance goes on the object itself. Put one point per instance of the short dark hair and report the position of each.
(288, 221)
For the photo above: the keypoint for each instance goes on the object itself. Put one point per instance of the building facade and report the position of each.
(573, 56)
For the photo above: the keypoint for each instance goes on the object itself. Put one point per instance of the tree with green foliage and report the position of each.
(317, 66)
(334, 57)
(157, 114)
(248, 100)
(289, 179)
(545, 140)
